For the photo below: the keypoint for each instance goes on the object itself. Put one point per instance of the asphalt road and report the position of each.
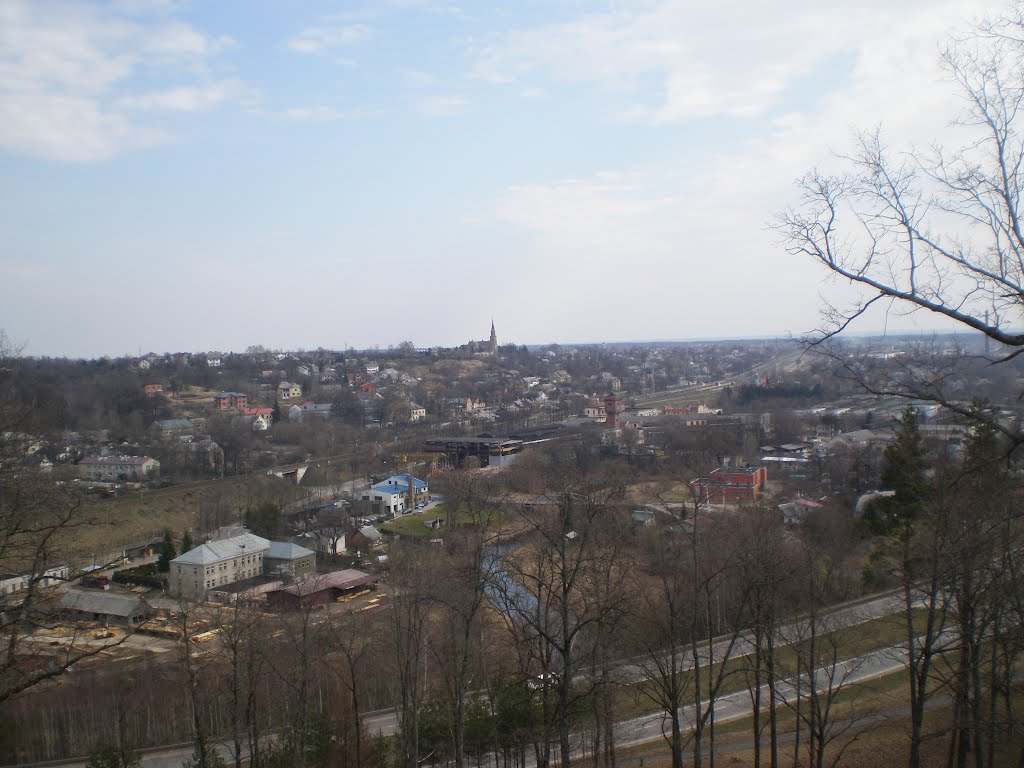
(647, 727)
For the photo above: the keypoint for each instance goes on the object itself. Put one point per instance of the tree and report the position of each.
(936, 231)
(38, 523)
(107, 755)
(167, 553)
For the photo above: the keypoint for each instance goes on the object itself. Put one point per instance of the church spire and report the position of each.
(494, 338)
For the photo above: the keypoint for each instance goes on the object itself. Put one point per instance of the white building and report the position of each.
(217, 563)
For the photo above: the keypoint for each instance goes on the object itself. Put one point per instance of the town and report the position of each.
(328, 518)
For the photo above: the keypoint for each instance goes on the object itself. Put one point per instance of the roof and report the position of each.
(103, 603)
(173, 424)
(285, 550)
(115, 460)
(341, 580)
(399, 483)
(231, 394)
(370, 533)
(215, 551)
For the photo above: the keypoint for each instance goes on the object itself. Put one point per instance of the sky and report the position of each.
(193, 176)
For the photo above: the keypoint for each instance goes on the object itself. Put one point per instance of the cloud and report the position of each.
(70, 72)
(442, 106)
(673, 60)
(185, 98)
(598, 215)
(322, 114)
(317, 39)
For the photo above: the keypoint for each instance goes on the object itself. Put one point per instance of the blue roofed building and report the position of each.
(398, 494)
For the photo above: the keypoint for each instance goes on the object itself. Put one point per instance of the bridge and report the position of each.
(487, 450)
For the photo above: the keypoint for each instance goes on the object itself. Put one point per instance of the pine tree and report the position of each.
(186, 541)
(167, 553)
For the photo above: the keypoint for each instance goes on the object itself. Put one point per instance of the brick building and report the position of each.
(731, 484)
(231, 401)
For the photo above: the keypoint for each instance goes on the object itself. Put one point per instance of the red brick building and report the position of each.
(731, 484)
(230, 401)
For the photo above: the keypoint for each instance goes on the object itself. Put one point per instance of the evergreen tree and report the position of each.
(906, 473)
(186, 541)
(167, 553)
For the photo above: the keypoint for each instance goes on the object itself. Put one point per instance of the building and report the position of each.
(162, 428)
(397, 494)
(287, 391)
(318, 410)
(123, 610)
(320, 590)
(15, 582)
(153, 389)
(289, 560)
(731, 484)
(115, 468)
(237, 555)
(231, 401)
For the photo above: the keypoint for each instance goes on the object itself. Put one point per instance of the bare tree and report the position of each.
(938, 231)
(38, 525)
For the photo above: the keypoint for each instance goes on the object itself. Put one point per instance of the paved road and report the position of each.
(646, 727)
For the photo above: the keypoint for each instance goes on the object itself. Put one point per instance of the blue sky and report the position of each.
(211, 175)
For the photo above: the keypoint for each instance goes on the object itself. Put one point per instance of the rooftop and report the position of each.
(215, 551)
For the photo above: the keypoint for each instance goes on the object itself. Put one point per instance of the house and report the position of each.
(289, 560)
(325, 541)
(417, 412)
(398, 494)
(286, 390)
(233, 555)
(114, 468)
(231, 401)
(364, 539)
(262, 418)
(170, 427)
(318, 410)
(798, 510)
(153, 389)
(642, 517)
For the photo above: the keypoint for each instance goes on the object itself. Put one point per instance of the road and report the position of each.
(645, 727)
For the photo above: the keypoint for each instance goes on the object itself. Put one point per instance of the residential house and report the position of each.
(262, 418)
(319, 410)
(231, 401)
(417, 412)
(286, 390)
(153, 389)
